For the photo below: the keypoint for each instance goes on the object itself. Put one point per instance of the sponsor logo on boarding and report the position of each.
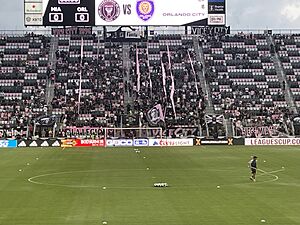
(33, 144)
(272, 141)
(120, 142)
(145, 9)
(45, 144)
(56, 144)
(171, 142)
(88, 142)
(68, 143)
(8, 143)
(4, 144)
(156, 143)
(141, 142)
(22, 144)
(109, 10)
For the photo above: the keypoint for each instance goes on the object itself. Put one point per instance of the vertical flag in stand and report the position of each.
(173, 83)
(193, 72)
(138, 85)
(80, 73)
(163, 71)
(148, 65)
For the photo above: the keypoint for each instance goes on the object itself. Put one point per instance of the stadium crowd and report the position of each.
(94, 87)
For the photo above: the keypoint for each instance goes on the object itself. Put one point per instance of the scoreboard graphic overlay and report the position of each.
(123, 12)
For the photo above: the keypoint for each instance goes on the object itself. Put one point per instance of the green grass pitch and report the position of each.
(66, 186)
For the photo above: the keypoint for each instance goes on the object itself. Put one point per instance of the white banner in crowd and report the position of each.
(272, 141)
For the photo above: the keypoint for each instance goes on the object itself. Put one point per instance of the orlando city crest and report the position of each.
(145, 9)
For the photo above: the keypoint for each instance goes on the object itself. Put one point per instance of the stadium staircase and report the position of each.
(52, 63)
(282, 77)
(126, 67)
(206, 89)
(201, 75)
(229, 127)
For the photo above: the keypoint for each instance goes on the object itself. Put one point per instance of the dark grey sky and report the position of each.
(241, 14)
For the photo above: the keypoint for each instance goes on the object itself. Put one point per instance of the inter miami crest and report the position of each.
(145, 9)
(109, 10)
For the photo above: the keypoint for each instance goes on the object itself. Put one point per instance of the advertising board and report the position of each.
(45, 142)
(8, 143)
(205, 141)
(82, 143)
(124, 12)
(140, 142)
(119, 143)
(272, 141)
(171, 142)
(90, 143)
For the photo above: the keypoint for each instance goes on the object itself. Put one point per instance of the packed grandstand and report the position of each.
(242, 84)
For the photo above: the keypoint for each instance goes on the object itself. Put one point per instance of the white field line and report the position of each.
(32, 179)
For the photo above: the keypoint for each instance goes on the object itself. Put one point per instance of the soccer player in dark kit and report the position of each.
(252, 166)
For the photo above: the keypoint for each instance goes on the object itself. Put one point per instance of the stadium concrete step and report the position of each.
(126, 65)
(282, 77)
(229, 128)
(52, 63)
(201, 75)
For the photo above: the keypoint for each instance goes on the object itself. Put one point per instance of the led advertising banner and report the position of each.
(149, 12)
(216, 12)
(123, 12)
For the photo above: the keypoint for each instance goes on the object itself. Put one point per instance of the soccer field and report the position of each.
(44, 186)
